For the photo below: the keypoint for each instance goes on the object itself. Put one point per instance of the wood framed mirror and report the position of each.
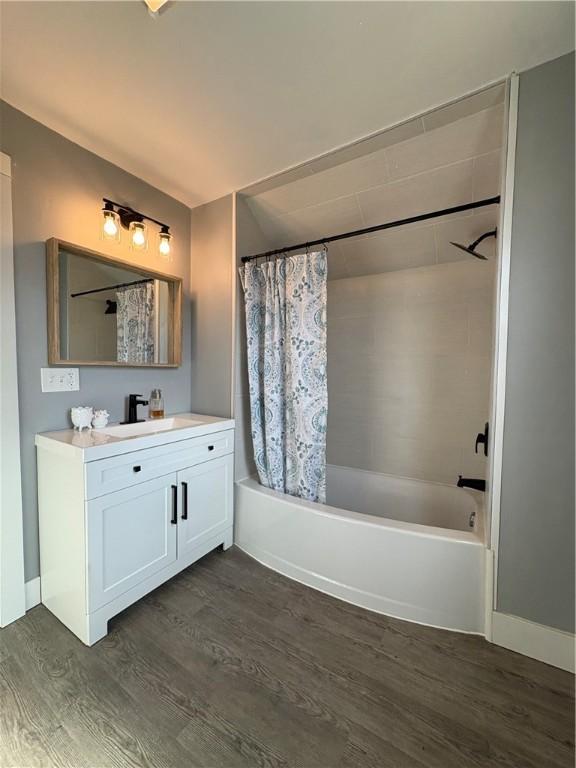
(109, 312)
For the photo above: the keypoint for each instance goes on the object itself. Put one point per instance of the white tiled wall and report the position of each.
(409, 360)
(471, 136)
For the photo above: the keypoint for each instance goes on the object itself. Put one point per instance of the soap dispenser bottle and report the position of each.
(156, 407)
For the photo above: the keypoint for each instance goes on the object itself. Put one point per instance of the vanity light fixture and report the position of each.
(116, 215)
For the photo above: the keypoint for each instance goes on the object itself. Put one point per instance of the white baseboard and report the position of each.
(488, 593)
(546, 644)
(32, 592)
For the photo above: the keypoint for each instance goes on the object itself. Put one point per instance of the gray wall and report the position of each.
(57, 191)
(249, 239)
(536, 556)
(212, 340)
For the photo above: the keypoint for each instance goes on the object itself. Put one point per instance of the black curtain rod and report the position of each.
(112, 287)
(377, 228)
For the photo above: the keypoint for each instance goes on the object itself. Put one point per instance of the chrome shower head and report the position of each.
(471, 249)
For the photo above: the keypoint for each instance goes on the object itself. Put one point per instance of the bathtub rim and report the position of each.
(473, 538)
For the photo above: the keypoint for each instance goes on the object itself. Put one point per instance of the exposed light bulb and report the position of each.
(111, 223)
(164, 246)
(138, 230)
(110, 226)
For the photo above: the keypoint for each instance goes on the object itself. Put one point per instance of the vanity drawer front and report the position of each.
(113, 474)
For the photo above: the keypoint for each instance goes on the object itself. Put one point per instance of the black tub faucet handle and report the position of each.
(482, 437)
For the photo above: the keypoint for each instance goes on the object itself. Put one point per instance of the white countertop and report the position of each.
(93, 444)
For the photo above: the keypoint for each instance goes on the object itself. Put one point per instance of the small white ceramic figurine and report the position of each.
(81, 417)
(100, 419)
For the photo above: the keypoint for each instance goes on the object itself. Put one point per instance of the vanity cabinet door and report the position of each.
(131, 534)
(206, 508)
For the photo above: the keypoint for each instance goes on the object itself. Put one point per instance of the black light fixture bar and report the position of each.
(126, 213)
(377, 228)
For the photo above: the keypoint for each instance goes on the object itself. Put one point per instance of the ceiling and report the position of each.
(452, 157)
(208, 97)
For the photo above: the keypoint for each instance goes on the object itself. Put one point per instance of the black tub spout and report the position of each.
(471, 482)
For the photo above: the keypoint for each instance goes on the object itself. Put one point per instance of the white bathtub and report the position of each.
(406, 551)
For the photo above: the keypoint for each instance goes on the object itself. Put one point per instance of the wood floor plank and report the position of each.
(370, 751)
(547, 694)
(88, 699)
(407, 686)
(231, 665)
(376, 627)
(228, 747)
(24, 718)
(459, 690)
(156, 680)
(262, 703)
(349, 685)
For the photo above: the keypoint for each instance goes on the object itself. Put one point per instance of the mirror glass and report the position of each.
(111, 313)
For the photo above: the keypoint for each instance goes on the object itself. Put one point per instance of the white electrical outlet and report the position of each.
(60, 379)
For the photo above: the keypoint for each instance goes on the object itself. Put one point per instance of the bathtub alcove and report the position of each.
(410, 348)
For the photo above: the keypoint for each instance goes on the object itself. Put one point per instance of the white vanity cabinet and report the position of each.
(120, 517)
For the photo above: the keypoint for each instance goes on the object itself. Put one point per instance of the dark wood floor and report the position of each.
(232, 665)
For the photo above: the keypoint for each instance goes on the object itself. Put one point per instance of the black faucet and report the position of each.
(471, 482)
(133, 403)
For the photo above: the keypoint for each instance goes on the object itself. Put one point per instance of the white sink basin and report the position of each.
(148, 427)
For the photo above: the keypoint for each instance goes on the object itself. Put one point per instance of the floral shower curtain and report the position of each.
(286, 344)
(135, 323)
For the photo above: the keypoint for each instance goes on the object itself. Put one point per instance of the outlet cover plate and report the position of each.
(60, 379)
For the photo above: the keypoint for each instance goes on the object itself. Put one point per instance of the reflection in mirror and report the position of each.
(111, 313)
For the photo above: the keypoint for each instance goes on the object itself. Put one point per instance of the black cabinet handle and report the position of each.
(174, 519)
(137, 468)
(210, 447)
(184, 501)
